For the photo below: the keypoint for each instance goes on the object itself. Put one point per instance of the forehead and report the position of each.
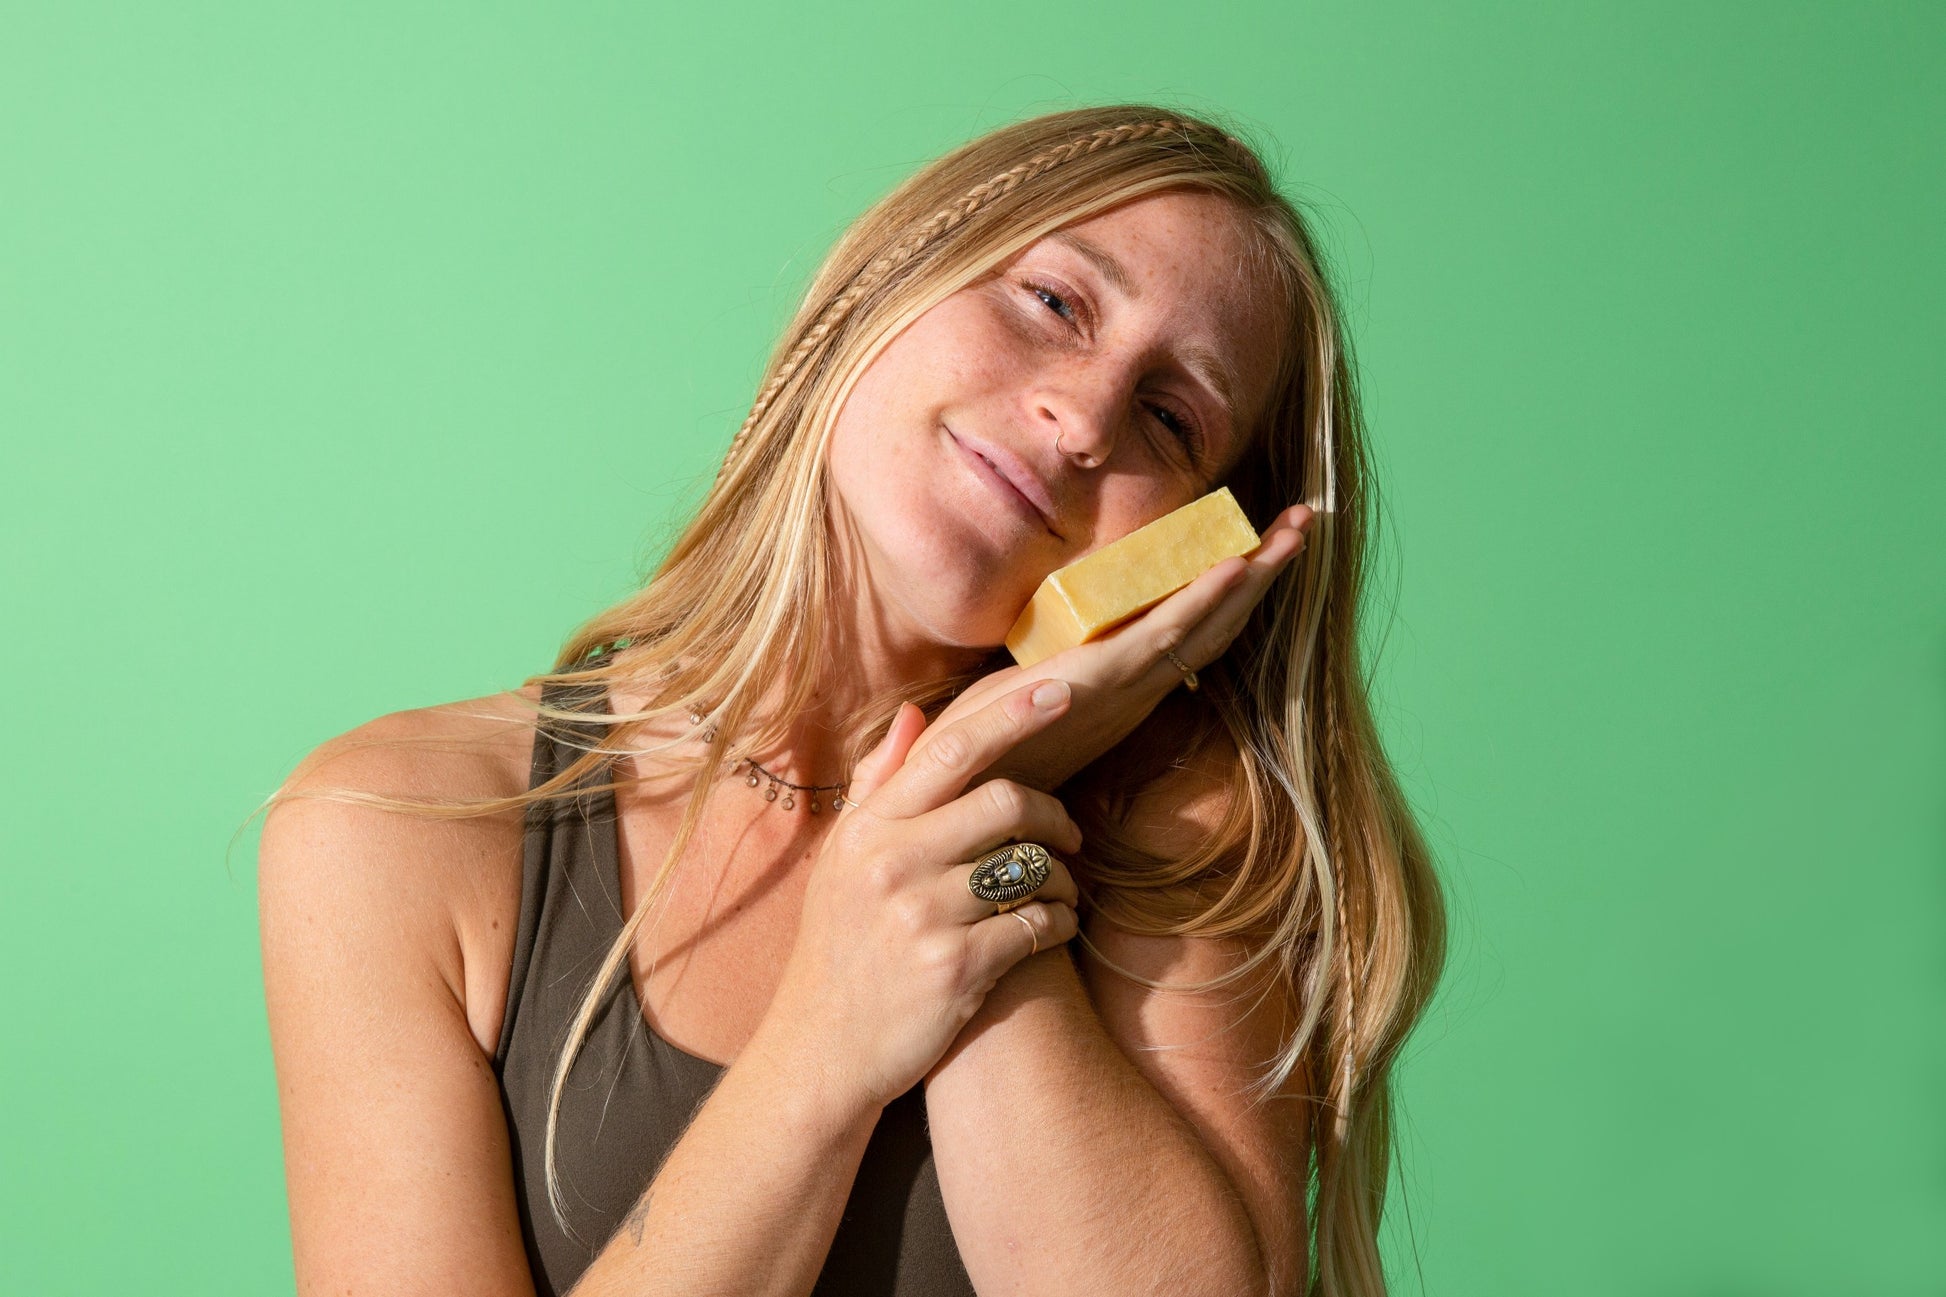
(1170, 240)
(1179, 271)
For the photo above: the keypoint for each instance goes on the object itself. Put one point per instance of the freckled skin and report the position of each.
(1001, 362)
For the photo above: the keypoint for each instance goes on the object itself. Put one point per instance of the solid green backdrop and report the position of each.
(351, 354)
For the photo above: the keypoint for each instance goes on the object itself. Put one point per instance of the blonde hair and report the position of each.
(1318, 864)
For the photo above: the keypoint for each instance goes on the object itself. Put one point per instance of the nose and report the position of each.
(1081, 415)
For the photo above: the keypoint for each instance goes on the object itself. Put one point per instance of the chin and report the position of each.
(959, 577)
(979, 621)
(963, 604)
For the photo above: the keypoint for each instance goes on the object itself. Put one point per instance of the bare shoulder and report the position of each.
(472, 748)
(449, 885)
(381, 980)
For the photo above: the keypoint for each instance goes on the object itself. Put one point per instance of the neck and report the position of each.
(871, 662)
(876, 648)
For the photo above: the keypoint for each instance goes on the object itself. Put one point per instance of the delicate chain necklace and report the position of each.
(813, 802)
(838, 801)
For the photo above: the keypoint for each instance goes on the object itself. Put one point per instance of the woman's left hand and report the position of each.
(1119, 677)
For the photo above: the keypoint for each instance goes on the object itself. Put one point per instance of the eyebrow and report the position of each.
(1102, 259)
(1205, 363)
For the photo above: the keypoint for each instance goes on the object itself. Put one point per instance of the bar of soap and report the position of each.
(1094, 594)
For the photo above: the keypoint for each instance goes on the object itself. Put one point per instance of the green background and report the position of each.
(350, 354)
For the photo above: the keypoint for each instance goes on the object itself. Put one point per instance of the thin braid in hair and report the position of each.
(939, 223)
(1343, 1116)
(1341, 943)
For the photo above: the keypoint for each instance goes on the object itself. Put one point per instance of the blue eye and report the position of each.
(1182, 428)
(1174, 422)
(1044, 292)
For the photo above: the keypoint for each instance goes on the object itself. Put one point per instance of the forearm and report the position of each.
(750, 1197)
(1063, 1170)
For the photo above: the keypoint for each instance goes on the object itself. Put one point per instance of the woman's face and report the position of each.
(1109, 389)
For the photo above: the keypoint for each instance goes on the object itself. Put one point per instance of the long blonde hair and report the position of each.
(1318, 864)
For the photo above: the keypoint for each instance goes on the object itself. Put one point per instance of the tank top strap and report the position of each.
(569, 853)
(561, 741)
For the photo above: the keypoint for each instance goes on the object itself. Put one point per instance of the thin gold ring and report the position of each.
(1188, 676)
(1030, 929)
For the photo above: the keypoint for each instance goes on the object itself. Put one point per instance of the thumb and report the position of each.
(883, 761)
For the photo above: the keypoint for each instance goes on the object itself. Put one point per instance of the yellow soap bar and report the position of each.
(1095, 593)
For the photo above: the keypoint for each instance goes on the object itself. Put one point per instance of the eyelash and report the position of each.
(1185, 430)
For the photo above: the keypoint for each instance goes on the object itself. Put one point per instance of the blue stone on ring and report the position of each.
(1010, 873)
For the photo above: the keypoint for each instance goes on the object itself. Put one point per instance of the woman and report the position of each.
(675, 976)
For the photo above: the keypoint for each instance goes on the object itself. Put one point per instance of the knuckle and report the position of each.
(952, 749)
(1007, 798)
(941, 957)
(1168, 639)
(882, 874)
(910, 911)
(1054, 814)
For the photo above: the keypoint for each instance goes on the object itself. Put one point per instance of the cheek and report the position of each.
(1133, 504)
(872, 465)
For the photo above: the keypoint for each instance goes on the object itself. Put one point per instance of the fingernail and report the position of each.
(1049, 694)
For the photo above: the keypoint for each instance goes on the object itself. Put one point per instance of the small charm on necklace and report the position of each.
(788, 804)
(770, 793)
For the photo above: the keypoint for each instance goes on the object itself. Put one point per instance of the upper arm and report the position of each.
(396, 1150)
(1200, 1050)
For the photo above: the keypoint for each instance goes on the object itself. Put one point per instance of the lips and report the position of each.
(1009, 472)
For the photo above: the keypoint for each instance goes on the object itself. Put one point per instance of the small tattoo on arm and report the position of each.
(638, 1219)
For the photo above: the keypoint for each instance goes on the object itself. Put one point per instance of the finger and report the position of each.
(1198, 621)
(959, 901)
(998, 943)
(876, 766)
(953, 755)
(1287, 533)
(1205, 639)
(1280, 543)
(1137, 644)
(1140, 642)
(993, 814)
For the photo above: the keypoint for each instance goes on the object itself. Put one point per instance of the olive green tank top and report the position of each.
(631, 1093)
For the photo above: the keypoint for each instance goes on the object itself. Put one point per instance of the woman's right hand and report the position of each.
(893, 954)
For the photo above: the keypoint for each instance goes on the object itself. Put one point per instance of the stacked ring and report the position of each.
(1035, 936)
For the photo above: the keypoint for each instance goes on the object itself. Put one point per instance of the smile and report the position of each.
(997, 483)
